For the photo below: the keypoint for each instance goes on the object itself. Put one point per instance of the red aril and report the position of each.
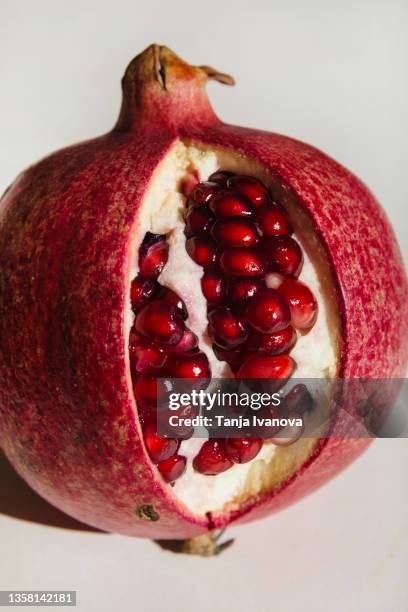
(268, 312)
(172, 468)
(249, 187)
(212, 458)
(241, 289)
(160, 321)
(203, 193)
(189, 365)
(170, 296)
(221, 176)
(213, 286)
(145, 355)
(242, 450)
(158, 448)
(233, 357)
(141, 291)
(243, 262)
(187, 343)
(272, 344)
(226, 328)
(235, 232)
(266, 366)
(153, 255)
(284, 255)
(273, 220)
(203, 250)
(302, 303)
(229, 204)
(199, 219)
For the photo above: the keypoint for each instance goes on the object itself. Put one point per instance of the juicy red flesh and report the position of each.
(243, 262)
(141, 291)
(273, 220)
(198, 219)
(158, 448)
(273, 344)
(268, 312)
(266, 366)
(214, 287)
(160, 321)
(229, 204)
(212, 458)
(249, 187)
(242, 450)
(241, 238)
(153, 255)
(226, 329)
(203, 250)
(284, 255)
(241, 289)
(302, 303)
(172, 468)
(235, 232)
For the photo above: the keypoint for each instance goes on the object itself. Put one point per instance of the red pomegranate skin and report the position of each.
(68, 229)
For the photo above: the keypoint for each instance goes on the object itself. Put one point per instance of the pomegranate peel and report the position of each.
(69, 420)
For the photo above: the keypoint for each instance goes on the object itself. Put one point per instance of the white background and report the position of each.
(331, 73)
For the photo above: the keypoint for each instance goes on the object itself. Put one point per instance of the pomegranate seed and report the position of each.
(144, 355)
(241, 289)
(189, 365)
(302, 303)
(188, 184)
(142, 290)
(273, 220)
(170, 296)
(233, 358)
(145, 389)
(266, 366)
(299, 400)
(268, 312)
(172, 468)
(159, 321)
(228, 204)
(213, 287)
(181, 430)
(153, 255)
(221, 176)
(188, 342)
(242, 450)
(284, 254)
(203, 192)
(243, 262)
(273, 344)
(158, 448)
(198, 219)
(202, 250)
(226, 328)
(235, 232)
(251, 188)
(212, 459)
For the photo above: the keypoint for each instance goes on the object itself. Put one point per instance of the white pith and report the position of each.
(315, 353)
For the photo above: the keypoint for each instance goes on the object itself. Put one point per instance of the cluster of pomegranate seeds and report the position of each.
(160, 345)
(243, 241)
(255, 303)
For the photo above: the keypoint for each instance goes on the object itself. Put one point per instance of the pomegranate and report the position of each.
(177, 245)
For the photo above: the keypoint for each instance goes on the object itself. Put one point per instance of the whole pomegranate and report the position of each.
(178, 245)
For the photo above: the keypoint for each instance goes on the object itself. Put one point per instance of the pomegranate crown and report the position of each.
(159, 83)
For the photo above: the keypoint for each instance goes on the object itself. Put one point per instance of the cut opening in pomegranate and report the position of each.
(230, 280)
